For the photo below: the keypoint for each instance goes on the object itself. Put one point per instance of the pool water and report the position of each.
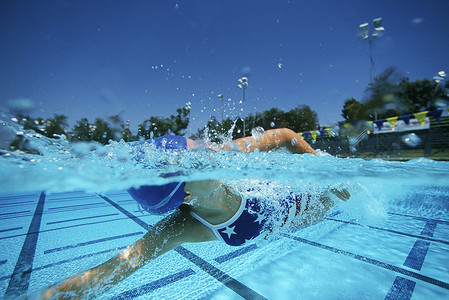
(63, 212)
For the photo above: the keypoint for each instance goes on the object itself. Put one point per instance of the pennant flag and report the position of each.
(300, 134)
(436, 114)
(447, 108)
(306, 135)
(322, 133)
(346, 125)
(392, 122)
(379, 124)
(421, 116)
(406, 119)
(328, 130)
(313, 134)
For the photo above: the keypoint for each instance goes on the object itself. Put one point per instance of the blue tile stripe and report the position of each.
(236, 253)
(419, 218)
(152, 286)
(114, 250)
(422, 236)
(92, 242)
(429, 228)
(213, 271)
(20, 278)
(79, 219)
(374, 262)
(402, 289)
(71, 207)
(65, 227)
(11, 229)
(415, 258)
(2, 262)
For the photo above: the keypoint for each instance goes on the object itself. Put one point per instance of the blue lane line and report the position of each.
(10, 229)
(20, 278)
(213, 271)
(424, 236)
(78, 219)
(114, 250)
(16, 212)
(70, 207)
(402, 289)
(2, 262)
(374, 262)
(415, 258)
(65, 227)
(236, 253)
(429, 228)
(92, 242)
(420, 218)
(152, 286)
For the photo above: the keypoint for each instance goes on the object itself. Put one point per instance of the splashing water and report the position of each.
(91, 167)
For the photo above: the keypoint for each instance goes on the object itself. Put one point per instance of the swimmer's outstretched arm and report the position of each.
(172, 231)
(274, 139)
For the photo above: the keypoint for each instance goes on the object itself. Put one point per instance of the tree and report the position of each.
(55, 126)
(82, 131)
(352, 110)
(101, 131)
(158, 126)
(421, 95)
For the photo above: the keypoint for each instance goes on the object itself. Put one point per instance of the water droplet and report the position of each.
(257, 132)
(411, 140)
(294, 141)
(272, 124)
(279, 65)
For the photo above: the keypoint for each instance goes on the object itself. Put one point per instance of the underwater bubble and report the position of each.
(412, 140)
(257, 132)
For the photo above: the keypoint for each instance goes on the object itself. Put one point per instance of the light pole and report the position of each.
(243, 84)
(370, 34)
(221, 96)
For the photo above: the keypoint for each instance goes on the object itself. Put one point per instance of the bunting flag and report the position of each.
(421, 116)
(406, 119)
(436, 114)
(322, 133)
(447, 108)
(379, 124)
(306, 135)
(328, 132)
(313, 134)
(392, 122)
(300, 134)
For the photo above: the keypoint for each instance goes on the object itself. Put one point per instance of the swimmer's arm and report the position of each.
(170, 232)
(274, 139)
(316, 211)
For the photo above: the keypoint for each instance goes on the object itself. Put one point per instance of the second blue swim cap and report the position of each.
(159, 199)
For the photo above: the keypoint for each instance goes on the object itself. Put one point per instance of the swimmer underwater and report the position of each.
(203, 211)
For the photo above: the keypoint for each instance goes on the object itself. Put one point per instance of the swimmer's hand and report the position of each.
(341, 193)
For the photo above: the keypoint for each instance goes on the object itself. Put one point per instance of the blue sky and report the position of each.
(147, 58)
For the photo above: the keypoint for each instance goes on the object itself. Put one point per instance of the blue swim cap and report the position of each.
(159, 199)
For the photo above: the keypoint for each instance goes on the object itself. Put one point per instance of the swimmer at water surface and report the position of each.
(204, 211)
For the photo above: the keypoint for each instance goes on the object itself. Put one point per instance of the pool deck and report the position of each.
(47, 237)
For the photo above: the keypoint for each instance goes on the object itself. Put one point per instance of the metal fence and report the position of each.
(431, 143)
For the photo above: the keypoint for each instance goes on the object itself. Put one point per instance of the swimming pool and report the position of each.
(390, 240)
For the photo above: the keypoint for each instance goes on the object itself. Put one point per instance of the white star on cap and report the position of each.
(259, 219)
(229, 231)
